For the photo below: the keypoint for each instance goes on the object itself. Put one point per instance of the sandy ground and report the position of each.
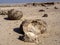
(9, 33)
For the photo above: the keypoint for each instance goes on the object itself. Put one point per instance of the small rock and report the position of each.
(47, 8)
(45, 15)
(9, 33)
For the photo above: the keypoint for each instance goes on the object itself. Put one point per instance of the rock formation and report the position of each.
(33, 28)
(15, 14)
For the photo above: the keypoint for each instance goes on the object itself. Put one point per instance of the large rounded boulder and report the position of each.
(33, 28)
(14, 14)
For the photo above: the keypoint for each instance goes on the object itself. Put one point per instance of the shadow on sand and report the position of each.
(20, 31)
(9, 19)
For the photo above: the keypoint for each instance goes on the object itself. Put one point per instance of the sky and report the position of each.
(26, 1)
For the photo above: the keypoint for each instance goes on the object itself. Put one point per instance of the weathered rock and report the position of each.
(45, 15)
(15, 14)
(33, 28)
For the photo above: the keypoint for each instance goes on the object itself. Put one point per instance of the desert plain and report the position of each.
(9, 29)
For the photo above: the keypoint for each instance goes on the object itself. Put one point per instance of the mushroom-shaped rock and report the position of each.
(15, 14)
(33, 28)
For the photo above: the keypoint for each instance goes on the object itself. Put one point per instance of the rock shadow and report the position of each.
(8, 18)
(20, 31)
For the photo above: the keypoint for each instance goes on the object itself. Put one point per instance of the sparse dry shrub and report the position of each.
(55, 7)
(3, 12)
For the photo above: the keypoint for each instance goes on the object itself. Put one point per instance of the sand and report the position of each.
(9, 33)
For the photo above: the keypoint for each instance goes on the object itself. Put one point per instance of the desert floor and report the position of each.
(9, 33)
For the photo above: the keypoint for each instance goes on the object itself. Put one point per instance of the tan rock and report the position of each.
(33, 28)
(15, 14)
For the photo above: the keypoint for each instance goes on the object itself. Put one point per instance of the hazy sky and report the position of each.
(22, 1)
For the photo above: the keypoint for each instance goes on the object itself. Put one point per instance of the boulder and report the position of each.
(33, 28)
(15, 14)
